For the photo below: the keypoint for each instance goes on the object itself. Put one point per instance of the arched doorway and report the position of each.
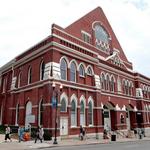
(107, 119)
(28, 113)
(129, 115)
(108, 116)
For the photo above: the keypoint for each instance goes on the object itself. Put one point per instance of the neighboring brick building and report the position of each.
(84, 67)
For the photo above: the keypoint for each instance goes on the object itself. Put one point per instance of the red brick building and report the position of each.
(84, 70)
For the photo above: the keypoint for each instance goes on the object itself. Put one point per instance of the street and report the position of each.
(138, 145)
(135, 144)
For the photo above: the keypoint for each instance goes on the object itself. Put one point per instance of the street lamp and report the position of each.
(55, 105)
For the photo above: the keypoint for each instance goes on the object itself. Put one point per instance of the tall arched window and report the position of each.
(19, 80)
(63, 69)
(103, 81)
(73, 72)
(63, 107)
(90, 113)
(81, 71)
(73, 113)
(4, 85)
(107, 82)
(29, 75)
(112, 85)
(82, 113)
(41, 110)
(42, 68)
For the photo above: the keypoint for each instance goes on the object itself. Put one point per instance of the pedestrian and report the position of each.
(20, 133)
(39, 134)
(81, 133)
(7, 133)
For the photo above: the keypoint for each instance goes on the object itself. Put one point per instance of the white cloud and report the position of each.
(23, 23)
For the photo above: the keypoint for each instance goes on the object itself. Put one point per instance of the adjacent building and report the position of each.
(78, 75)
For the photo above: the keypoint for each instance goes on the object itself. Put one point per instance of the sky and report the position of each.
(23, 23)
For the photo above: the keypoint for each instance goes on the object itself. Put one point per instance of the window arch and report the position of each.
(103, 80)
(82, 112)
(63, 69)
(19, 79)
(42, 68)
(63, 107)
(102, 38)
(112, 84)
(29, 75)
(89, 70)
(41, 110)
(73, 72)
(90, 112)
(73, 113)
(4, 85)
(107, 82)
(81, 70)
(101, 34)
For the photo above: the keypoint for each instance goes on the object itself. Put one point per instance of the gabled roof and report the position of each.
(85, 23)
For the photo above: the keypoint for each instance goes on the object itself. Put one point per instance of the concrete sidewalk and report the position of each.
(67, 142)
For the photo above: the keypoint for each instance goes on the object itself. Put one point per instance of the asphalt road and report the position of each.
(138, 145)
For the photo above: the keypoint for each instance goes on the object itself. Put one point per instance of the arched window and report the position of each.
(89, 71)
(73, 113)
(124, 86)
(63, 107)
(41, 110)
(42, 68)
(102, 38)
(73, 72)
(90, 113)
(19, 80)
(81, 71)
(107, 82)
(103, 81)
(127, 87)
(4, 85)
(63, 69)
(29, 75)
(82, 113)
(112, 85)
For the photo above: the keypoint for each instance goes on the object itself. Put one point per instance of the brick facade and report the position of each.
(123, 95)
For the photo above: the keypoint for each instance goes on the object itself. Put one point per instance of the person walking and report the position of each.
(20, 133)
(81, 133)
(7, 133)
(39, 134)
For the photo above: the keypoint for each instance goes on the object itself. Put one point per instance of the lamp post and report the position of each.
(55, 105)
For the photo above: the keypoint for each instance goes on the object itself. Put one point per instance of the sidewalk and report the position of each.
(68, 142)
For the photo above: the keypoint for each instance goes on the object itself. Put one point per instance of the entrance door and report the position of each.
(63, 126)
(107, 122)
(128, 120)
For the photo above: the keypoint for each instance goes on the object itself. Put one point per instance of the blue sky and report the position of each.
(23, 23)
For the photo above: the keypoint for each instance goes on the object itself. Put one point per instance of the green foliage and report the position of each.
(2, 129)
(47, 136)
